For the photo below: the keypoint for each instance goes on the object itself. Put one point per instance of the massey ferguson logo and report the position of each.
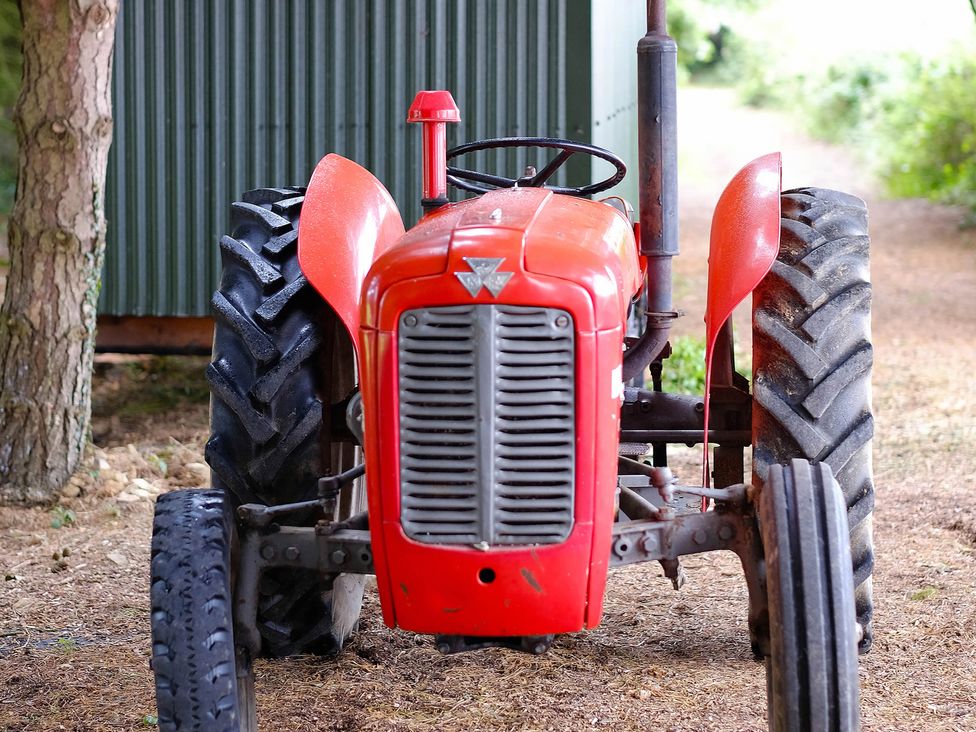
(484, 274)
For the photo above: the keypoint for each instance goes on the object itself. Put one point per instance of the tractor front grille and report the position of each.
(487, 424)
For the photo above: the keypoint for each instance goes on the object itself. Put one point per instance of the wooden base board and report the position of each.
(159, 335)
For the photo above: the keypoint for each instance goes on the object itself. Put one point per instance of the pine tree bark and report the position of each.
(57, 242)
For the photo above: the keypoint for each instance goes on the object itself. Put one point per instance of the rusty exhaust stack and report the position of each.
(657, 139)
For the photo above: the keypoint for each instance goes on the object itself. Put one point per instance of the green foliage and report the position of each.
(837, 103)
(61, 516)
(66, 645)
(914, 120)
(926, 593)
(158, 462)
(11, 63)
(708, 46)
(684, 370)
(152, 386)
(760, 83)
(926, 127)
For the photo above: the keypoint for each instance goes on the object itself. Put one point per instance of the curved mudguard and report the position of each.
(348, 220)
(744, 244)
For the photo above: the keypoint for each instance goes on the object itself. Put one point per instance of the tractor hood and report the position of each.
(533, 232)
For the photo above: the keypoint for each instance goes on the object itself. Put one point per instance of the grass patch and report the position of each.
(926, 593)
(150, 386)
(61, 516)
(66, 645)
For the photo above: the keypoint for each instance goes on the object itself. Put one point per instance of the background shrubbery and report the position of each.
(911, 114)
(10, 72)
(925, 127)
(914, 120)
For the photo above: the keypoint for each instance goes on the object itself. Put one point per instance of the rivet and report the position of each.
(267, 551)
(700, 536)
(292, 553)
(338, 556)
(410, 321)
(725, 532)
(562, 321)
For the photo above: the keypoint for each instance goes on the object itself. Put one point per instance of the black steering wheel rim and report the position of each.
(477, 182)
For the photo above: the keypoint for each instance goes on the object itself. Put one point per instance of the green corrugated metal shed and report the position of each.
(215, 97)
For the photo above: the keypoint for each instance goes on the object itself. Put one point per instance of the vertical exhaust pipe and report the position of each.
(657, 140)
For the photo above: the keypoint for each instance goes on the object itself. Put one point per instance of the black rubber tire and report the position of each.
(811, 673)
(812, 360)
(198, 685)
(280, 361)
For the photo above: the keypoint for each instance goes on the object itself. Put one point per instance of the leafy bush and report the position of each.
(925, 128)
(760, 83)
(684, 370)
(913, 120)
(708, 45)
(837, 104)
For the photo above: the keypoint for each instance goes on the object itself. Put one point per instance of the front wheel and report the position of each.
(203, 681)
(811, 672)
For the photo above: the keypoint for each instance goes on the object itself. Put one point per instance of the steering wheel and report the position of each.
(477, 182)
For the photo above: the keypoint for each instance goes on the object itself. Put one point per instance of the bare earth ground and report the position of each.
(74, 642)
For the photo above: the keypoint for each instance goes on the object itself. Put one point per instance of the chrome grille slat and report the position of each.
(487, 424)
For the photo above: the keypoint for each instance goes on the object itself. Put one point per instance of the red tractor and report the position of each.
(460, 410)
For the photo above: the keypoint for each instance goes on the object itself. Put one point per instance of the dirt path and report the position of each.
(74, 644)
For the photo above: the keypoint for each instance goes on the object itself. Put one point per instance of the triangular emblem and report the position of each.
(484, 273)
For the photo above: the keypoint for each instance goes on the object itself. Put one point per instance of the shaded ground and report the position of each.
(74, 643)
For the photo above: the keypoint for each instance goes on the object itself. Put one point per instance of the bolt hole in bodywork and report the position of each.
(486, 576)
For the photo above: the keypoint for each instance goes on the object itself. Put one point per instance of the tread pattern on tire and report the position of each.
(812, 358)
(813, 678)
(193, 654)
(267, 384)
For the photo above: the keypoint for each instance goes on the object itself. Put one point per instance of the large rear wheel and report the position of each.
(812, 360)
(282, 362)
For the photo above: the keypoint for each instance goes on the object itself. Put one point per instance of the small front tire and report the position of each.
(811, 670)
(203, 682)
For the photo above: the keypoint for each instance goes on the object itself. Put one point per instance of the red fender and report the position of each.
(744, 244)
(348, 220)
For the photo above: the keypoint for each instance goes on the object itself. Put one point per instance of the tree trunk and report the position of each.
(57, 243)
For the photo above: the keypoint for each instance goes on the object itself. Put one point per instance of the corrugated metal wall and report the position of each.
(215, 97)
(613, 105)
